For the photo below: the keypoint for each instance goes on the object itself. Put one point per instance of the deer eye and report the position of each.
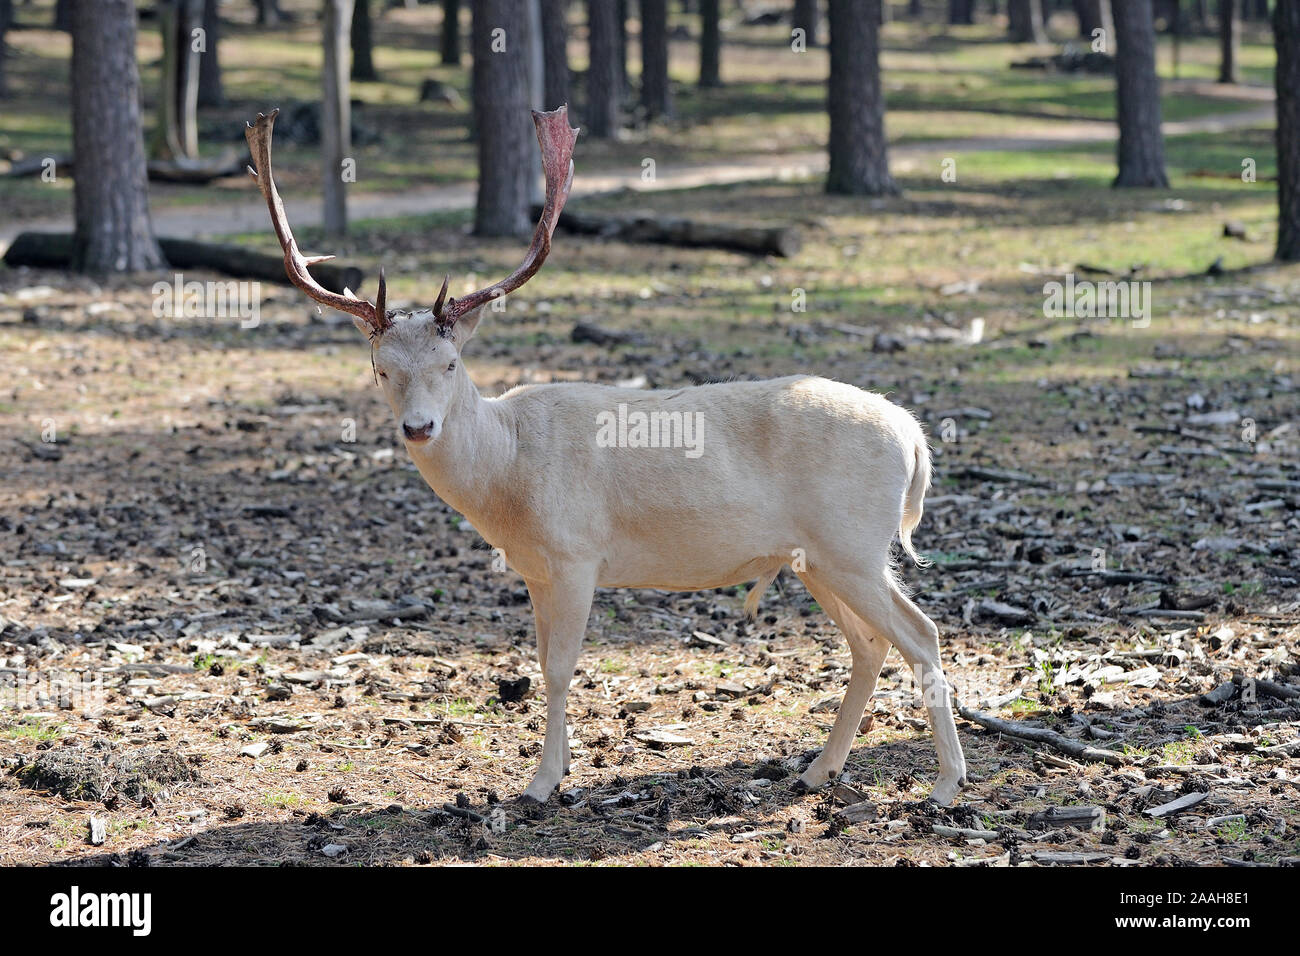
(383, 375)
(452, 365)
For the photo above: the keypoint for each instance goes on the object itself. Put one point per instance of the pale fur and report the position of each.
(790, 467)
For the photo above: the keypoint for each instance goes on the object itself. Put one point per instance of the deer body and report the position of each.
(528, 472)
(800, 471)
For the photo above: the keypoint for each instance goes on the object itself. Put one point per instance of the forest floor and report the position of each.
(267, 641)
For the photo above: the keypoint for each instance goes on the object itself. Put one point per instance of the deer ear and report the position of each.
(465, 327)
(363, 327)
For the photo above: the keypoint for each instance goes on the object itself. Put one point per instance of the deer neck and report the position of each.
(468, 463)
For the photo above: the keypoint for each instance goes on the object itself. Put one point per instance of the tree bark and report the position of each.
(710, 45)
(555, 53)
(113, 231)
(859, 161)
(961, 11)
(177, 133)
(1095, 15)
(6, 17)
(1286, 37)
(805, 19)
(1141, 152)
(269, 13)
(656, 96)
(1201, 15)
(63, 15)
(604, 82)
(211, 92)
(501, 93)
(450, 32)
(1025, 20)
(335, 115)
(363, 42)
(620, 25)
(1229, 41)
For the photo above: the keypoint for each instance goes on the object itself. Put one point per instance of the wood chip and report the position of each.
(1175, 807)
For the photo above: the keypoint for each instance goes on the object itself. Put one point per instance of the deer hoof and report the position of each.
(945, 792)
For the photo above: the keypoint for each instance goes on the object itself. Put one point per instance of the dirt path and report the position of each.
(250, 215)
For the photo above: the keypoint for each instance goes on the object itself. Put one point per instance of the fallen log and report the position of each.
(1220, 695)
(1081, 818)
(194, 172)
(862, 812)
(1042, 735)
(53, 250)
(1180, 805)
(783, 241)
(1270, 688)
(198, 172)
(964, 833)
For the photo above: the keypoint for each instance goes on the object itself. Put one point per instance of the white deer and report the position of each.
(796, 466)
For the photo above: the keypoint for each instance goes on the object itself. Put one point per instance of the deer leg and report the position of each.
(541, 597)
(889, 611)
(569, 608)
(869, 651)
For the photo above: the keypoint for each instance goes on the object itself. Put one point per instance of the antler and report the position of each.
(296, 264)
(556, 139)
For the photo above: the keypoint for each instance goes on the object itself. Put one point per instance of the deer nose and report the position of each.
(419, 434)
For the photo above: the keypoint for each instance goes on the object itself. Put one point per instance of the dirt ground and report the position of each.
(236, 627)
(226, 536)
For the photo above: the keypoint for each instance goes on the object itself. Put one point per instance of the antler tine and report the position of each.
(296, 264)
(442, 297)
(556, 139)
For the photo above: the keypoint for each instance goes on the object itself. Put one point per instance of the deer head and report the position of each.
(416, 354)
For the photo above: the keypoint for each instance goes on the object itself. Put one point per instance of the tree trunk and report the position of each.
(604, 84)
(335, 114)
(363, 42)
(805, 19)
(450, 32)
(113, 231)
(1286, 36)
(6, 17)
(656, 97)
(1141, 143)
(859, 162)
(1025, 20)
(555, 53)
(620, 24)
(710, 44)
(177, 133)
(961, 11)
(63, 15)
(1201, 15)
(269, 13)
(506, 157)
(210, 89)
(1229, 41)
(1095, 15)
(536, 90)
